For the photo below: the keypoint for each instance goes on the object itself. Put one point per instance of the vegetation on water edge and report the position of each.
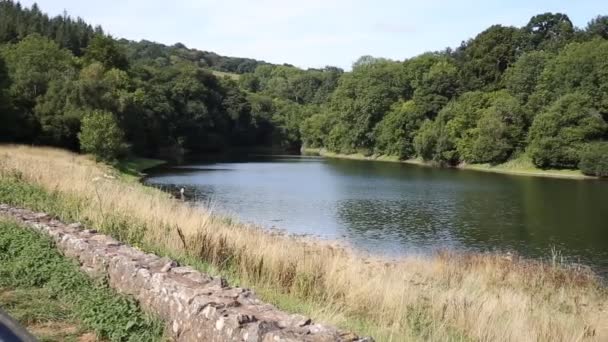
(52, 298)
(448, 296)
(538, 90)
(522, 165)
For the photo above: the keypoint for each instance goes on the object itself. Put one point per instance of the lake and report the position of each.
(395, 209)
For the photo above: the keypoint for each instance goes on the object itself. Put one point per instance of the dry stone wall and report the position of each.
(196, 306)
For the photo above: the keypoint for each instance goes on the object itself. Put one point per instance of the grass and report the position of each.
(521, 166)
(132, 168)
(222, 74)
(524, 166)
(55, 301)
(453, 297)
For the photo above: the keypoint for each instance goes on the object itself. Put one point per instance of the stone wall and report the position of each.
(196, 306)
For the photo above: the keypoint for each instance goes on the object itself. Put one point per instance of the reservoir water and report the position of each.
(395, 209)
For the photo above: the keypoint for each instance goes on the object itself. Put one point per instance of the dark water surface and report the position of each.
(394, 209)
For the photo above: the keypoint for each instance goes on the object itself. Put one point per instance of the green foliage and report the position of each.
(105, 50)
(460, 118)
(395, 133)
(361, 100)
(598, 27)
(19, 22)
(558, 135)
(521, 78)
(594, 159)
(11, 127)
(488, 56)
(499, 132)
(32, 64)
(437, 86)
(476, 128)
(28, 260)
(579, 67)
(549, 31)
(101, 136)
(315, 129)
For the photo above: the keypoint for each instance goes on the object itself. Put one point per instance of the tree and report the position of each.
(433, 142)
(594, 159)
(499, 132)
(549, 31)
(558, 135)
(437, 86)
(250, 82)
(459, 126)
(361, 100)
(11, 128)
(579, 67)
(488, 56)
(315, 129)
(395, 133)
(425, 140)
(101, 136)
(32, 64)
(367, 60)
(521, 78)
(598, 27)
(106, 51)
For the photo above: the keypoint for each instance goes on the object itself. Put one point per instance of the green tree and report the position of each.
(579, 67)
(101, 136)
(594, 159)
(436, 87)
(459, 130)
(500, 131)
(598, 27)
(523, 76)
(395, 133)
(11, 128)
(315, 129)
(433, 142)
(425, 140)
(549, 31)
(558, 135)
(361, 100)
(105, 50)
(488, 56)
(32, 64)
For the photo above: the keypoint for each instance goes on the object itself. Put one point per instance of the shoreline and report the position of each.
(500, 169)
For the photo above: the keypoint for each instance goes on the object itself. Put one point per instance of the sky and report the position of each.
(313, 33)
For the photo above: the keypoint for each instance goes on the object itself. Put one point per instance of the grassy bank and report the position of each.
(132, 168)
(522, 166)
(446, 297)
(55, 301)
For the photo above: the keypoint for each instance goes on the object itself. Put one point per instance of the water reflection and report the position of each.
(394, 208)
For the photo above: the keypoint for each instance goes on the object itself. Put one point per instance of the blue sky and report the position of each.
(314, 33)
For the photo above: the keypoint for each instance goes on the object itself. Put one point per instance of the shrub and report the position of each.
(594, 159)
(101, 136)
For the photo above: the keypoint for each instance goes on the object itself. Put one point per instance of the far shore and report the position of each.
(514, 167)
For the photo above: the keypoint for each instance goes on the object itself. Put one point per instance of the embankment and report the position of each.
(450, 296)
(196, 306)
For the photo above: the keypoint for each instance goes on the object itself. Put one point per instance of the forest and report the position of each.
(539, 91)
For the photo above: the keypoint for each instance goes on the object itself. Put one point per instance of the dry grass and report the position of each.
(446, 297)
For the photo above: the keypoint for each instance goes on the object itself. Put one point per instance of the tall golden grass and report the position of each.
(449, 296)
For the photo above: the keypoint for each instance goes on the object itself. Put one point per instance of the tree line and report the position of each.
(66, 83)
(538, 92)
